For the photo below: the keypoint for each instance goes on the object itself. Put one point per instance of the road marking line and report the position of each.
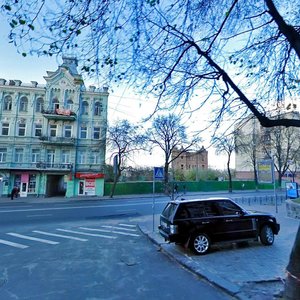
(26, 237)
(112, 231)
(84, 233)
(60, 235)
(127, 225)
(45, 215)
(13, 244)
(116, 227)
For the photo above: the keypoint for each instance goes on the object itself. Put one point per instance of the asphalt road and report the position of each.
(88, 250)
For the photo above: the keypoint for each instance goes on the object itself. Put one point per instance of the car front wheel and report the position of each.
(267, 235)
(200, 243)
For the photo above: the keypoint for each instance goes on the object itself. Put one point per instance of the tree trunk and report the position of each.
(229, 177)
(116, 179)
(292, 283)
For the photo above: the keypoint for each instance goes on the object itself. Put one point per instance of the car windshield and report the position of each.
(169, 210)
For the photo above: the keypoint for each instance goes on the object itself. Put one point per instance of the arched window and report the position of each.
(23, 104)
(55, 103)
(39, 105)
(85, 108)
(98, 108)
(7, 103)
(69, 104)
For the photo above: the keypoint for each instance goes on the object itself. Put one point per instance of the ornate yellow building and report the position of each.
(53, 136)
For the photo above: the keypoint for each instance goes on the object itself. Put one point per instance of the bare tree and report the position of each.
(172, 49)
(226, 144)
(247, 143)
(169, 134)
(123, 139)
(282, 145)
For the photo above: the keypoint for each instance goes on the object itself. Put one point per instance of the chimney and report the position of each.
(34, 84)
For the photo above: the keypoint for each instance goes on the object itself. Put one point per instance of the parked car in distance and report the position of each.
(199, 223)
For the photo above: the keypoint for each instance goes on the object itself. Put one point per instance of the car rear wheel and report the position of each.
(267, 235)
(200, 243)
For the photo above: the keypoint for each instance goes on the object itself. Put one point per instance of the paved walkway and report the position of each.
(253, 271)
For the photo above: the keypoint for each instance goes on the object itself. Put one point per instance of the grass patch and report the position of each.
(297, 200)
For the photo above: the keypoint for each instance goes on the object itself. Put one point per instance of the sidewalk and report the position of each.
(253, 271)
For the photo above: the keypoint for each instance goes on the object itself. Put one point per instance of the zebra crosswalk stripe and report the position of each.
(26, 237)
(60, 235)
(85, 233)
(16, 245)
(112, 231)
(116, 227)
(127, 225)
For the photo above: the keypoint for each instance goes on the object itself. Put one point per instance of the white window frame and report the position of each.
(68, 129)
(19, 153)
(3, 154)
(35, 155)
(23, 104)
(4, 127)
(66, 156)
(83, 132)
(52, 130)
(21, 129)
(38, 128)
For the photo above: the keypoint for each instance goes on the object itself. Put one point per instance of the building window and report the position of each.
(5, 128)
(95, 157)
(53, 130)
(50, 158)
(18, 155)
(67, 131)
(32, 183)
(38, 128)
(85, 108)
(81, 157)
(69, 104)
(98, 108)
(66, 157)
(96, 133)
(3, 154)
(55, 103)
(35, 155)
(7, 103)
(39, 105)
(83, 132)
(21, 129)
(23, 104)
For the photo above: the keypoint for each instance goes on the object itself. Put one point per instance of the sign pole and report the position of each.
(153, 203)
(158, 173)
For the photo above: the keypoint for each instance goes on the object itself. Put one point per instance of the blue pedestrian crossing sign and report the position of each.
(158, 173)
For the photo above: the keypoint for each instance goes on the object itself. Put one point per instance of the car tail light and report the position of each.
(173, 229)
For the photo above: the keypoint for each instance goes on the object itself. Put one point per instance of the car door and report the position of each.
(235, 224)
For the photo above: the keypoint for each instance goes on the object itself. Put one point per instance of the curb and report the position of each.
(229, 287)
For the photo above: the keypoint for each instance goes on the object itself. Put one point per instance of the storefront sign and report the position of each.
(90, 187)
(89, 175)
(25, 177)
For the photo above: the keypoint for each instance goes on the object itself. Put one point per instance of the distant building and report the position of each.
(190, 160)
(252, 140)
(53, 136)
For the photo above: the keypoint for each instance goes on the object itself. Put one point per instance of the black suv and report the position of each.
(199, 223)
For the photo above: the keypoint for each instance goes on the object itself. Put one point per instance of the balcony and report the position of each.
(59, 114)
(36, 166)
(53, 166)
(54, 140)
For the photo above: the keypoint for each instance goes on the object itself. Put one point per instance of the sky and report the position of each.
(122, 102)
